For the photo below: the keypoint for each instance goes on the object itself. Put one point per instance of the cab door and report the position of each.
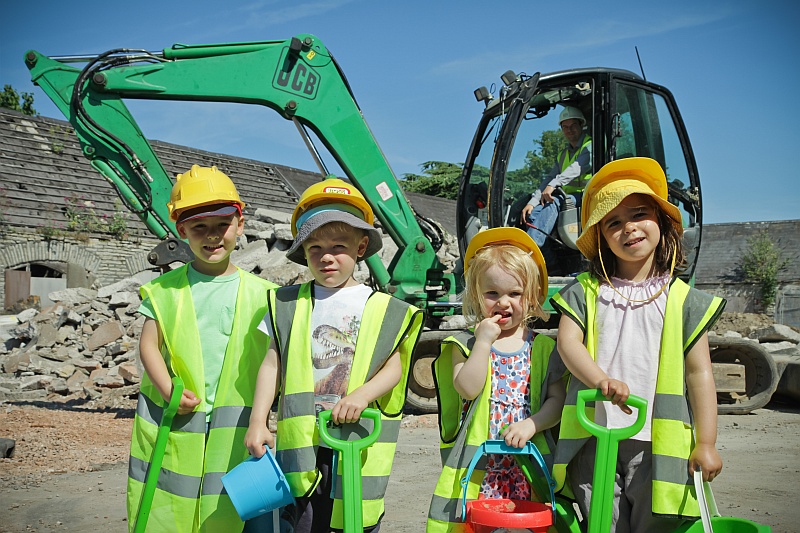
(645, 122)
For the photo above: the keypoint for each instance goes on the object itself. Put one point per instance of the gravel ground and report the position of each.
(68, 472)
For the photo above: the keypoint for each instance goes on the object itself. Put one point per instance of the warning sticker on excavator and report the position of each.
(310, 55)
(384, 191)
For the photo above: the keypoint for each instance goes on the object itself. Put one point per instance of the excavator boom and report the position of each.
(298, 78)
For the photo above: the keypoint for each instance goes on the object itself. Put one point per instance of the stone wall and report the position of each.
(102, 259)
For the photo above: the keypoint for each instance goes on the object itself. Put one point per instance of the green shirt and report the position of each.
(214, 300)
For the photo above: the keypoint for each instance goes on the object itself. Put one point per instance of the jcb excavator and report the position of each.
(299, 79)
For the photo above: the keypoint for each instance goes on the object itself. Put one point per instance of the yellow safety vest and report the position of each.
(388, 325)
(461, 434)
(689, 314)
(189, 495)
(578, 184)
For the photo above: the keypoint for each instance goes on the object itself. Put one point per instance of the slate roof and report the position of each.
(724, 244)
(41, 164)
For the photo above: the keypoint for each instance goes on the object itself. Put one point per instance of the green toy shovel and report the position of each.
(351, 466)
(158, 455)
(605, 463)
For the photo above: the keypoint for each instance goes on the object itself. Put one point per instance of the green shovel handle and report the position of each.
(352, 516)
(151, 480)
(341, 445)
(618, 434)
(601, 505)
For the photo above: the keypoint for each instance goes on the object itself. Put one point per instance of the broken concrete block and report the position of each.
(105, 334)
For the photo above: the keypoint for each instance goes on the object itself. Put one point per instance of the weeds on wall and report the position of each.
(761, 263)
(82, 219)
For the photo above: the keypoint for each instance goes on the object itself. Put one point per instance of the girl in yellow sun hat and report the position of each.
(492, 380)
(629, 326)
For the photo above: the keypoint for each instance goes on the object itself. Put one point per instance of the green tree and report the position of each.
(11, 99)
(438, 178)
(538, 163)
(761, 264)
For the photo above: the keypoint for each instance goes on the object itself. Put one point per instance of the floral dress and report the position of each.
(510, 402)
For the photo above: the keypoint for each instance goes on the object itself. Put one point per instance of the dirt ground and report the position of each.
(68, 472)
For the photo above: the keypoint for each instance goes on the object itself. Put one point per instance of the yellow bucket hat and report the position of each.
(612, 184)
(514, 237)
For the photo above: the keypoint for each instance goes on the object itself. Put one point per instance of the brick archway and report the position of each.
(48, 250)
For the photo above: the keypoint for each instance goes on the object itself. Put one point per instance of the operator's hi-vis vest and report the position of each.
(689, 314)
(388, 325)
(462, 433)
(578, 184)
(189, 495)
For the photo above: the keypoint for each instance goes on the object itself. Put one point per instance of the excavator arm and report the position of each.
(298, 78)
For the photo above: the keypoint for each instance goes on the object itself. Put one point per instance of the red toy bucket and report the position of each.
(484, 516)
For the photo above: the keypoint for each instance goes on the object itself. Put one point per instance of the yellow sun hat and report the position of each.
(514, 237)
(612, 184)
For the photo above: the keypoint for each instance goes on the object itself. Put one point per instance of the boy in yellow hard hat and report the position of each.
(335, 344)
(201, 321)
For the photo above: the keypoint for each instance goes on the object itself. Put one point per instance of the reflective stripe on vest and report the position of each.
(388, 325)
(686, 318)
(189, 494)
(458, 443)
(578, 184)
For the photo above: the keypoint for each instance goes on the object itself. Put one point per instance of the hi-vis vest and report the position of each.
(689, 314)
(461, 434)
(388, 325)
(578, 184)
(189, 495)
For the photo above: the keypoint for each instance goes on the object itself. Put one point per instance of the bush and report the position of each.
(761, 264)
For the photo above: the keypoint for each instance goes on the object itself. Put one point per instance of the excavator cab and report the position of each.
(519, 137)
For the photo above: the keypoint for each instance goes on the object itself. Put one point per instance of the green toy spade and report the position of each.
(151, 480)
(602, 503)
(351, 466)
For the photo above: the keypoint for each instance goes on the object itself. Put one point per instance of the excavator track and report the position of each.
(744, 373)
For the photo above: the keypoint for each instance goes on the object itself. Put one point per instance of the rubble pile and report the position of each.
(82, 347)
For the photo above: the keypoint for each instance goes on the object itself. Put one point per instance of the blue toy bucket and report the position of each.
(257, 486)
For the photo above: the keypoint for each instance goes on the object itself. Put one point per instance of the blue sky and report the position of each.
(413, 65)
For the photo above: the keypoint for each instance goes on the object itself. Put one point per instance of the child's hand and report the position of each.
(519, 433)
(616, 392)
(348, 410)
(256, 437)
(189, 401)
(706, 458)
(488, 330)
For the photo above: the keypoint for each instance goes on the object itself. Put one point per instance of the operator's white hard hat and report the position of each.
(571, 112)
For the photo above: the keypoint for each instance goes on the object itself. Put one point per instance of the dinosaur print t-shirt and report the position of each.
(334, 329)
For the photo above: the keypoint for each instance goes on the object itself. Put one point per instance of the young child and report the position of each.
(200, 326)
(629, 326)
(336, 345)
(492, 384)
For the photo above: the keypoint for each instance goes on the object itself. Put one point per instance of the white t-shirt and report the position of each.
(335, 322)
(629, 344)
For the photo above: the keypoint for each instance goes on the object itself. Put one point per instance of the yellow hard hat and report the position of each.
(201, 186)
(614, 182)
(332, 191)
(514, 237)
